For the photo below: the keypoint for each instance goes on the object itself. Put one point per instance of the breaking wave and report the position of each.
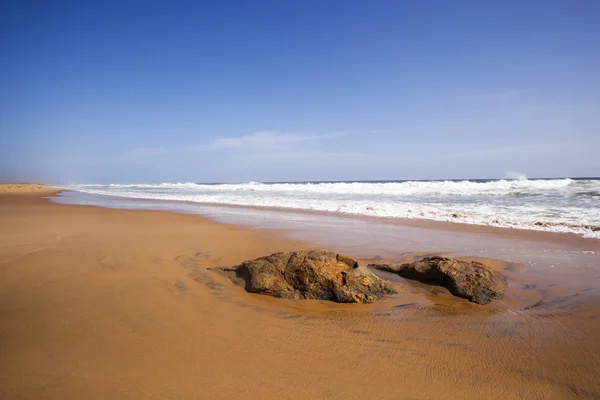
(558, 205)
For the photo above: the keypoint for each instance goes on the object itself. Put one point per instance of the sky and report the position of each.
(237, 91)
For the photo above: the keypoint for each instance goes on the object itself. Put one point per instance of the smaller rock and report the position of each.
(467, 279)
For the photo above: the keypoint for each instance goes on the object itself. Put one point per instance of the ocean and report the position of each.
(558, 205)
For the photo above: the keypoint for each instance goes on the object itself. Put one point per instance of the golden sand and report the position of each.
(116, 304)
(25, 188)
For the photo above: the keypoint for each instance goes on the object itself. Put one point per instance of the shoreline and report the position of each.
(99, 303)
(453, 226)
(527, 271)
(567, 242)
(365, 238)
(507, 208)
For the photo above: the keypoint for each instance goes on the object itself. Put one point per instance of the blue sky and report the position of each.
(230, 91)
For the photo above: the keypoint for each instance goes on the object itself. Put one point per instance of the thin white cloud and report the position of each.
(268, 140)
(255, 142)
(310, 155)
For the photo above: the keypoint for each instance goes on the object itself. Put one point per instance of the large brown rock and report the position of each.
(467, 279)
(314, 274)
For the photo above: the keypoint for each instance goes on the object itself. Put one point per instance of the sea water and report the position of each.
(557, 205)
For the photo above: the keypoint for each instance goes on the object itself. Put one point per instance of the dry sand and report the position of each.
(25, 188)
(98, 303)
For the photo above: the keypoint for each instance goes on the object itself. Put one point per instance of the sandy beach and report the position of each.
(101, 303)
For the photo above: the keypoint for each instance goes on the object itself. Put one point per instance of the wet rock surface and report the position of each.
(467, 279)
(313, 274)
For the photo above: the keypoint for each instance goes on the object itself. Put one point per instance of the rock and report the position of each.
(314, 274)
(467, 279)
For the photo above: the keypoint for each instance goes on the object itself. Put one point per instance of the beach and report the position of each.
(102, 303)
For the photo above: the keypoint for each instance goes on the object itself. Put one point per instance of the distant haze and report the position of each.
(122, 92)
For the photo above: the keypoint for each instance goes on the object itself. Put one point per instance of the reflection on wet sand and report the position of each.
(541, 337)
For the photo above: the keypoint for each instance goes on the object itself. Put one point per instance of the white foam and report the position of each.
(549, 205)
(499, 187)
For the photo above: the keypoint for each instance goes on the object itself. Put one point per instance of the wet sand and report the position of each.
(100, 303)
